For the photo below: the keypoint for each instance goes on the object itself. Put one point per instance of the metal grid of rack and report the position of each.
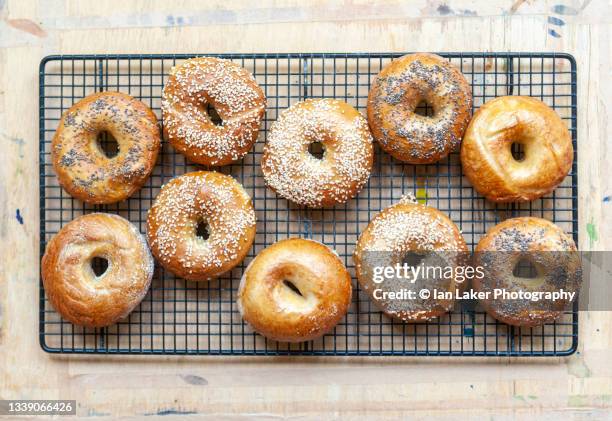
(179, 317)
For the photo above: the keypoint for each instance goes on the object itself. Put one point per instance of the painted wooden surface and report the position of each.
(272, 388)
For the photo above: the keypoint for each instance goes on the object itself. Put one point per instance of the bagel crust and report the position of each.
(184, 202)
(73, 288)
(295, 174)
(83, 169)
(396, 232)
(236, 97)
(316, 299)
(394, 96)
(548, 248)
(486, 154)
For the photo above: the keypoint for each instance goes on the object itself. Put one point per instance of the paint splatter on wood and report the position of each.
(171, 411)
(194, 380)
(578, 368)
(421, 196)
(564, 10)
(26, 25)
(515, 6)
(18, 216)
(445, 10)
(592, 232)
(556, 21)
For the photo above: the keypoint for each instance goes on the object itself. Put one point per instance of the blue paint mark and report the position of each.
(195, 380)
(307, 228)
(468, 331)
(444, 10)
(175, 21)
(606, 199)
(467, 12)
(163, 412)
(18, 216)
(556, 21)
(94, 413)
(554, 33)
(564, 10)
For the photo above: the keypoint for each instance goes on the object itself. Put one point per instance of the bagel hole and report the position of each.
(424, 109)
(213, 115)
(107, 144)
(413, 259)
(317, 149)
(525, 269)
(518, 151)
(202, 230)
(292, 287)
(99, 265)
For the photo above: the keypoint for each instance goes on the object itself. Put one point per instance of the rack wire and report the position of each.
(180, 317)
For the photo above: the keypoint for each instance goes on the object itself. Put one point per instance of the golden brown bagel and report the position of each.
(397, 232)
(207, 197)
(548, 248)
(73, 288)
(294, 290)
(394, 96)
(236, 97)
(83, 169)
(297, 175)
(486, 154)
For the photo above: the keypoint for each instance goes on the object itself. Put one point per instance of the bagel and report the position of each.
(295, 174)
(294, 290)
(83, 169)
(487, 158)
(408, 229)
(74, 289)
(235, 96)
(203, 198)
(394, 96)
(552, 253)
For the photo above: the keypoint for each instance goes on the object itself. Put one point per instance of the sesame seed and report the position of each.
(234, 93)
(300, 177)
(185, 201)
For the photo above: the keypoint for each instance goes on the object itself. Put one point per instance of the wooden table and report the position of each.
(270, 388)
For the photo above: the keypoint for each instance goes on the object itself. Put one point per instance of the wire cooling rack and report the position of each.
(179, 317)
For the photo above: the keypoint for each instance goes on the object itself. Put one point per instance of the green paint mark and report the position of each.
(421, 196)
(577, 401)
(592, 232)
(520, 398)
(532, 397)
(588, 400)
(578, 368)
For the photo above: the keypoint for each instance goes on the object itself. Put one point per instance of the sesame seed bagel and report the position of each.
(297, 175)
(235, 96)
(552, 253)
(83, 169)
(402, 230)
(202, 197)
(294, 290)
(486, 155)
(394, 96)
(71, 284)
